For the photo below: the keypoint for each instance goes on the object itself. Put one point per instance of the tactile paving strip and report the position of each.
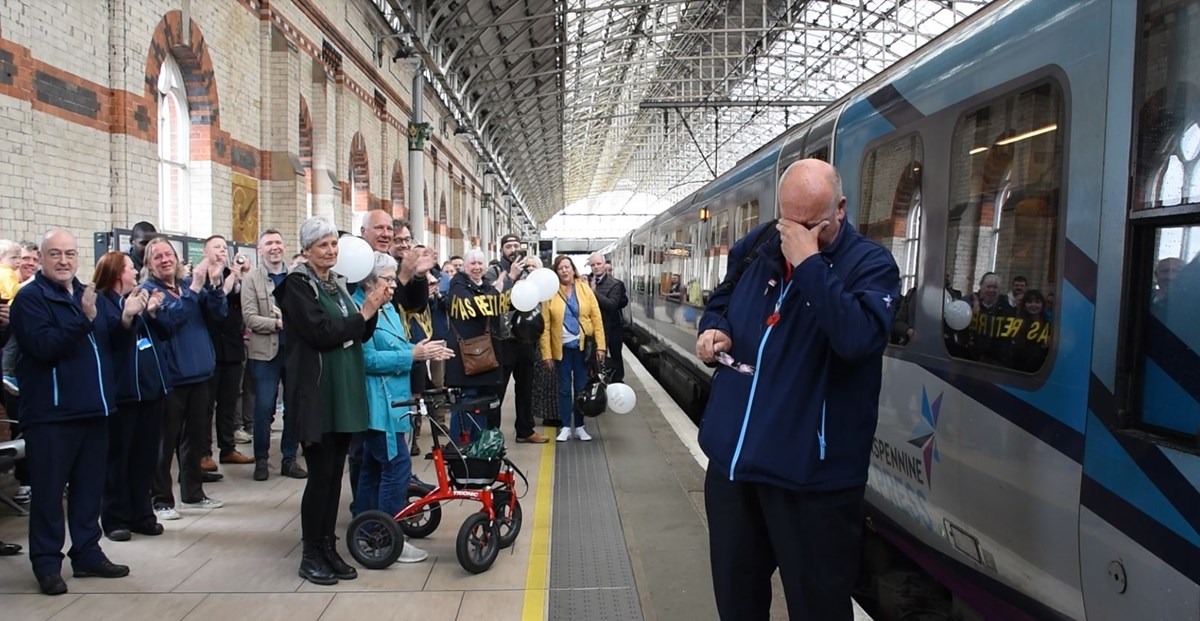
(590, 574)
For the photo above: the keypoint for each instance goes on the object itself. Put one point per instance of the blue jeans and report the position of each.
(266, 376)
(383, 482)
(572, 378)
(459, 419)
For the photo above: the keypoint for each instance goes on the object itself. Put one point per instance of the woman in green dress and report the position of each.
(324, 387)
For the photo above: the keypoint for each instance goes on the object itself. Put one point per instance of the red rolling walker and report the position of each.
(376, 538)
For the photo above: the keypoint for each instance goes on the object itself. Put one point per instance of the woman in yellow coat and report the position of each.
(573, 326)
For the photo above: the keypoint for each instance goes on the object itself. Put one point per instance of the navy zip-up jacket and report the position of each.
(183, 322)
(140, 367)
(66, 367)
(806, 418)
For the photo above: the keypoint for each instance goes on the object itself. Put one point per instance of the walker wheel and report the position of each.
(509, 517)
(478, 543)
(424, 522)
(374, 539)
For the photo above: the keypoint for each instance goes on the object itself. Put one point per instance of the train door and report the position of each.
(1140, 506)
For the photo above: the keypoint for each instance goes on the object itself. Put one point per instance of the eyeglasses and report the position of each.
(403, 240)
(390, 279)
(58, 254)
(740, 367)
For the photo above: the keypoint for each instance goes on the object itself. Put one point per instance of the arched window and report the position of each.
(1179, 175)
(1002, 196)
(912, 243)
(174, 130)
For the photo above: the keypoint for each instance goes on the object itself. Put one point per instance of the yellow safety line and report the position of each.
(537, 576)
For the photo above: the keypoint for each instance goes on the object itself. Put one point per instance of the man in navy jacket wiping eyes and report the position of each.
(798, 342)
(68, 389)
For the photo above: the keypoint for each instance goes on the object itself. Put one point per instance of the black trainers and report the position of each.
(52, 584)
(261, 470)
(150, 531)
(119, 534)
(293, 470)
(104, 569)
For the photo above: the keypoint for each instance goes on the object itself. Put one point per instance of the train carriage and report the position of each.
(1039, 465)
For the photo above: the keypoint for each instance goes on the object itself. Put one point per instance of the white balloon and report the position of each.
(355, 258)
(524, 296)
(621, 398)
(957, 314)
(546, 282)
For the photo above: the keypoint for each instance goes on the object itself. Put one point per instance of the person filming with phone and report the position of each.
(796, 333)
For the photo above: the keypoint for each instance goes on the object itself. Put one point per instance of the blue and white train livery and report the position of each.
(1036, 173)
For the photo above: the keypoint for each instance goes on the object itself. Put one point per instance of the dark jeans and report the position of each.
(182, 435)
(224, 386)
(615, 364)
(812, 537)
(70, 452)
(266, 387)
(134, 435)
(246, 399)
(519, 366)
(326, 461)
(572, 378)
(383, 481)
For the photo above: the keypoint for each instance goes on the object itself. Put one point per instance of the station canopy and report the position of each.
(595, 115)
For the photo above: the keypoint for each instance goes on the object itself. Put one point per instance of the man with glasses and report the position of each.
(797, 335)
(68, 390)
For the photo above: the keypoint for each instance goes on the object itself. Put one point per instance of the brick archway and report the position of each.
(204, 108)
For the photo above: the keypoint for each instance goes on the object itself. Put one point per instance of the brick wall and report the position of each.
(79, 115)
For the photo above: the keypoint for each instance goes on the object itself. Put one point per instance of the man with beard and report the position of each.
(518, 359)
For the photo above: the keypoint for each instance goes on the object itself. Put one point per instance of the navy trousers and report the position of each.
(134, 435)
(61, 453)
(813, 538)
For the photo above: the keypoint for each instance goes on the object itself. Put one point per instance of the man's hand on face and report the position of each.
(798, 241)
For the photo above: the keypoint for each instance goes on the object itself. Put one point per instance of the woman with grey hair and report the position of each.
(325, 391)
(389, 355)
(476, 309)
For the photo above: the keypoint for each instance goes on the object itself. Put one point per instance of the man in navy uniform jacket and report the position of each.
(798, 342)
(68, 388)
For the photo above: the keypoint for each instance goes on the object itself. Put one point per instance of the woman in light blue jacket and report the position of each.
(389, 356)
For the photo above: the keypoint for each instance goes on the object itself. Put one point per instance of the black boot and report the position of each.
(313, 566)
(334, 561)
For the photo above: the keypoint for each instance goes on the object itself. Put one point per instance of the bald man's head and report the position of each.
(810, 191)
(60, 256)
(377, 230)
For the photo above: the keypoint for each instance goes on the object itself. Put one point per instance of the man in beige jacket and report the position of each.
(266, 353)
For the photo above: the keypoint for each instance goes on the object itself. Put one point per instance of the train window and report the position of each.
(747, 217)
(890, 213)
(1168, 358)
(1002, 229)
(1167, 134)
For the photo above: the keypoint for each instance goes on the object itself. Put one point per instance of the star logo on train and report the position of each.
(924, 435)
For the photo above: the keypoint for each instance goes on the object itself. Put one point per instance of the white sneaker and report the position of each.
(24, 493)
(582, 434)
(241, 437)
(564, 434)
(166, 513)
(207, 503)
(412, 554)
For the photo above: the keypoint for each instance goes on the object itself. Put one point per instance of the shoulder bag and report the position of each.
(478, 354)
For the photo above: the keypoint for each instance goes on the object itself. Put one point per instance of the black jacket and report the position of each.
(227, 332)
(610, 294)
(474, 309)
(309, 331)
